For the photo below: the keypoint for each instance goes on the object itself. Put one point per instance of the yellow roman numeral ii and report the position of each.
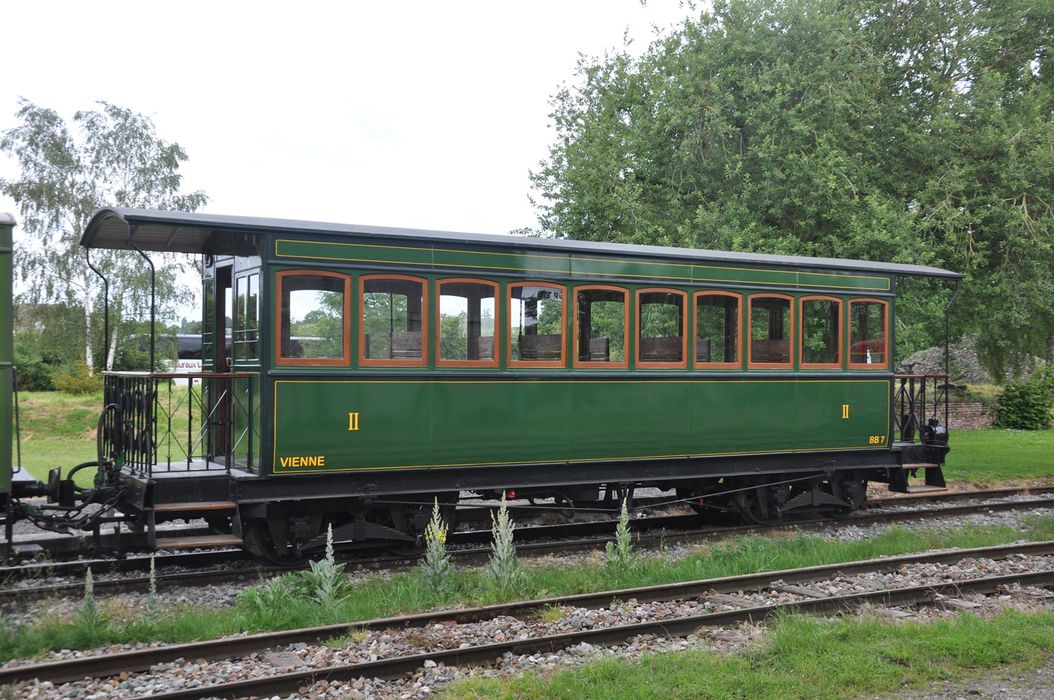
(353, 421)
(845, 411)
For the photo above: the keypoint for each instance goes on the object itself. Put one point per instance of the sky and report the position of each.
(416, 114)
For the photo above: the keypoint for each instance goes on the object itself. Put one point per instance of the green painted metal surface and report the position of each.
(6, 353)
(331, 425)
(566, 266)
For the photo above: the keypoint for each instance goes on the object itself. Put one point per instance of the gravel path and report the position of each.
(1004, 684)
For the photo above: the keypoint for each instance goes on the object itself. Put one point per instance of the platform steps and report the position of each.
(190, 511)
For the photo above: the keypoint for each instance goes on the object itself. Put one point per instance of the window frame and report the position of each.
(594, 364)
(493, 362)
(344, 361)
(885, 334)
(661, 364)
(801, 333)
(392, 362)
(738, 364)
(562, 362)
(789, 364)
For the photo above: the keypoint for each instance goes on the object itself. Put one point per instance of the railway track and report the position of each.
(81, 545)
(104, 665)
(533, 541)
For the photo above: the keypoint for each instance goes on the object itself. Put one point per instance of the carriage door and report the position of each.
(222, 313)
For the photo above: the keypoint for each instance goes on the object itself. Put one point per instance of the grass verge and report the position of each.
(274, 605)
(985, 456)
(804, 658)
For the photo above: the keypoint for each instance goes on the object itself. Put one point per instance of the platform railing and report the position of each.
(918, 398)
(165, 422)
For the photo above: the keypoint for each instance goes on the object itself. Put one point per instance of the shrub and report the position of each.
(34, 373)
(78, 381)
(1025, 405)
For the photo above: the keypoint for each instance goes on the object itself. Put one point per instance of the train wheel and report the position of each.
(762, 504)
(258, 540)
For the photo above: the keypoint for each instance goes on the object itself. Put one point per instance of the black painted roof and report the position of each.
(188, 232)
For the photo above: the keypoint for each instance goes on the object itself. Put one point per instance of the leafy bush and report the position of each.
(34, 372)
(1026, 405)
(78, 381)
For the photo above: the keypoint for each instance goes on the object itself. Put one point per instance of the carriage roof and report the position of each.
(190, 232)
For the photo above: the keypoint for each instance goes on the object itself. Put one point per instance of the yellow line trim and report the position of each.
(884, 280)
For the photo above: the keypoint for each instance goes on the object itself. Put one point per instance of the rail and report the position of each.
(166, 422)
(917, 400)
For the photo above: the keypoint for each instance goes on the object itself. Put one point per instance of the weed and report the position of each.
(436, 566)
(620, 552)
(503, 567)
(268, 596)
(153, 602)
(90, 617)
(551, 614)
(325, 582)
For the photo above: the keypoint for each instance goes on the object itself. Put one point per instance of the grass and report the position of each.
(409, 592)
(804, 658)
(58, 430)
(985, 456)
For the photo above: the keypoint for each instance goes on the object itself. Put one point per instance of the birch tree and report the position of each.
(109, 156)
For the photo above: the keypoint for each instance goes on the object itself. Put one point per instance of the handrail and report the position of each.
(919, 398)
(145, 431)
(183, 375)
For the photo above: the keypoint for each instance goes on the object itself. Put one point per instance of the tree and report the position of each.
(874, 129)
(111, 156)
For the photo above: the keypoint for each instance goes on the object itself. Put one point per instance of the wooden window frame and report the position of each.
(885, 334)
(391, 362)
(439, 327)
(648, 364)
(344, 361)
(562, 362)
(801, 333)
(593, 364)
(789, 364)
(738, 364)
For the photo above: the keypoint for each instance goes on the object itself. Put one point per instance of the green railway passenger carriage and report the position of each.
(369, 370)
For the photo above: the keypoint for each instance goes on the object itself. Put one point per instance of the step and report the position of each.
(926, 489)
(921, 465)
(195, 506)
(197, 541)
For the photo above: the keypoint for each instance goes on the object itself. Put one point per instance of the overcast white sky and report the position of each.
(420, 114)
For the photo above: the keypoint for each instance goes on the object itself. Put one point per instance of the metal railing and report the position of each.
(918, 398)
(163, 422)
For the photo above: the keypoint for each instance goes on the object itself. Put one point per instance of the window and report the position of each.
(601, 318)
(313, 315)
(717, 330)
(245, 335)
(660, 328)
(467, 321)
(821, 332)
(771, 327)
(393, 322)
(536, 324)
(868, 334)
